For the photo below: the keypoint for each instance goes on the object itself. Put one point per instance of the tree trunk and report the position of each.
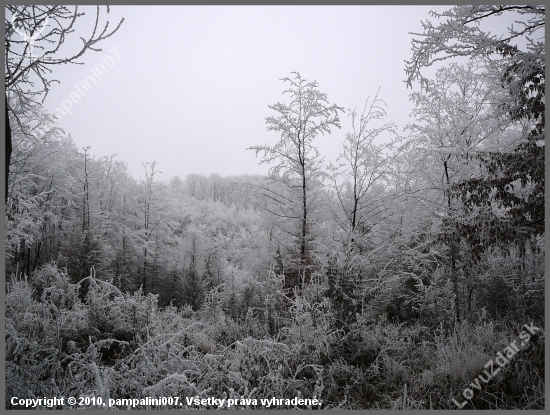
(454, 248)
(8, 149)
(144, 282)
(28, 261)
(304, 234)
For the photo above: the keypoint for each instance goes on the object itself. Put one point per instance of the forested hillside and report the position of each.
(385, 280)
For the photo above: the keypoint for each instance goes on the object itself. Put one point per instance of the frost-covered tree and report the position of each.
(34, 34)
(33, 211)
(297, 164)
(460, 35)
(497, 190)
(149, 224)
(456, 121)
(521, 70)
(363, 167)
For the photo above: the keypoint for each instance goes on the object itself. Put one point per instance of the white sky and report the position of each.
(193, 83)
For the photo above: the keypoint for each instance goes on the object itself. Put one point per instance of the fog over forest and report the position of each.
(286, 208)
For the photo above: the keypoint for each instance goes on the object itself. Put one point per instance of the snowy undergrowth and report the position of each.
(88, 339)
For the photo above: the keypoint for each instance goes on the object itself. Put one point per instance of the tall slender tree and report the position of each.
(365, 162)
(147, 223)
(298, 166)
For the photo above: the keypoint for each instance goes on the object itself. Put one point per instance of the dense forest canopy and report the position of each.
(386, 279)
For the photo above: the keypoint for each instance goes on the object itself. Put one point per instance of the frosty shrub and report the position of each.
(39, 330)
(437, 304)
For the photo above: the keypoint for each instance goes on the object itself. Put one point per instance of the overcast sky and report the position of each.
(191, 85)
